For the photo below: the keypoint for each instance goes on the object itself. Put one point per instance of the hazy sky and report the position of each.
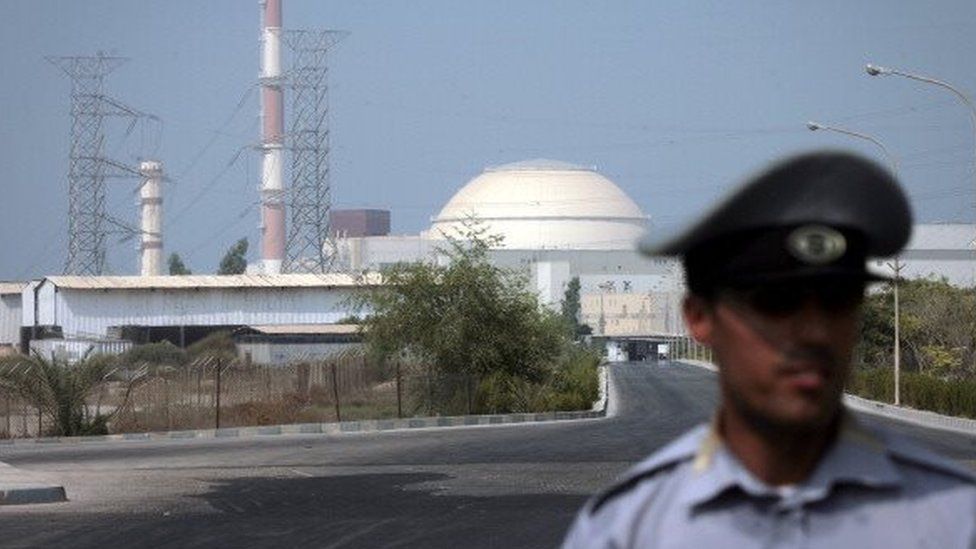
(673, 100)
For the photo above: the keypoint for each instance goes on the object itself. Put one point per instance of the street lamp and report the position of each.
(814, 126)
(896, 266)
(875, 70)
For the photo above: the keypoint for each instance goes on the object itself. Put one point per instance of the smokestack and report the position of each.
(151, 200)
(272, 141)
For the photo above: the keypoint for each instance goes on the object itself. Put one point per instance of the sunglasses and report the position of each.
(785, 299)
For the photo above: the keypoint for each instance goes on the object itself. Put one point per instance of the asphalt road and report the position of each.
(505, 486)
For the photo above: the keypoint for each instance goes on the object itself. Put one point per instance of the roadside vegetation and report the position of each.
(488, 345)
(938, 347)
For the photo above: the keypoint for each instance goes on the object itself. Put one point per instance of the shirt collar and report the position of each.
(857, 457)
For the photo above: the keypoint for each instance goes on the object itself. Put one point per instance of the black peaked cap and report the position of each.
(835, 189)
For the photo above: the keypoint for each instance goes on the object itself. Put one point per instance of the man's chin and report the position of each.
(796, 417)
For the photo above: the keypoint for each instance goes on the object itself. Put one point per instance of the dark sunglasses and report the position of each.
(784, 299)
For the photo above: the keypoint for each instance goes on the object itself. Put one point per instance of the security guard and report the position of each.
(775, 278)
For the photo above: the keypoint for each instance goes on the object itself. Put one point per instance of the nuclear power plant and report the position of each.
(555, 221)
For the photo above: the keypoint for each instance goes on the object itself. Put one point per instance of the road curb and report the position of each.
(923, 418)
(598, 411)
(20, 487)
(911, 415)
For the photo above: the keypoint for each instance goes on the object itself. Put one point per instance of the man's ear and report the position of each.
(699, 318)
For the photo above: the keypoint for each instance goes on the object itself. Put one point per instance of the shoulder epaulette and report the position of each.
(680, 450)
(907, 452)
(627, 484)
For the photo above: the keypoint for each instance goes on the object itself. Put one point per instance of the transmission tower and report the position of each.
(309, 246)
(88, 166)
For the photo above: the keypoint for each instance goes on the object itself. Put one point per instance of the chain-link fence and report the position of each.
(220, 393)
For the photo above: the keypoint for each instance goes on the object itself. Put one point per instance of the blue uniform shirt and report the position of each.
(871, 489)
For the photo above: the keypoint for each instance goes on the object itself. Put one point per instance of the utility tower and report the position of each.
(88, 166)
(308, 247)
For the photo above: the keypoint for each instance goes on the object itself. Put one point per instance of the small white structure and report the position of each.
(72, 350)
(151, 201)
(616, 351)
(11, 311)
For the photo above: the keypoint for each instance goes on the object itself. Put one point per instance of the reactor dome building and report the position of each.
(557, 221)
(545, 205)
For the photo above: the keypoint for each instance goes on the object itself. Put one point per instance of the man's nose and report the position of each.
(812, 322)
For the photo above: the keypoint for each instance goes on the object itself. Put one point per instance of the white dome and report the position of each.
(545, 204)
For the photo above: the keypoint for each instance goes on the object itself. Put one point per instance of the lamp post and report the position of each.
(896, 266)
(875, 70)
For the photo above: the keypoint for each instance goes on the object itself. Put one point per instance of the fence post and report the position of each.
(430, 392)
(40, 421)
(6, 402)
(169, 418)
(335, 393)
(399, 388)
(217, 396)
(267, 384)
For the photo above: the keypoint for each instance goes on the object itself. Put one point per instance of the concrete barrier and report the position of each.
(923, 418)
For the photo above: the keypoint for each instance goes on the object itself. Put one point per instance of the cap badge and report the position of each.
(816, 244)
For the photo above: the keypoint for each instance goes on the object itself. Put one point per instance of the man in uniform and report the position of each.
(775, 278)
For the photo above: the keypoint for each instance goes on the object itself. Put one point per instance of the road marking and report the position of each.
(301, 473)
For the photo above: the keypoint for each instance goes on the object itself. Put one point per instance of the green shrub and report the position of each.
(576, 384)
(918, 390)
(154, 354)
(216, 345)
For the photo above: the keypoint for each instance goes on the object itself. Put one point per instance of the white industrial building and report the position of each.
(74, 314)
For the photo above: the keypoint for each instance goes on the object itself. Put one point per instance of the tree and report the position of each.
(235, 260)
(938, 328)
(61, 390)
(467, 317)
(571, 309)
(176, 266)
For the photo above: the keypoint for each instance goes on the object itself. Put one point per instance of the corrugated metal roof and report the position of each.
(210, 281)
(11, 287)
(313, 329)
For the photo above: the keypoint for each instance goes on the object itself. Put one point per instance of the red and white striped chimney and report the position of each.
(272, 141)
